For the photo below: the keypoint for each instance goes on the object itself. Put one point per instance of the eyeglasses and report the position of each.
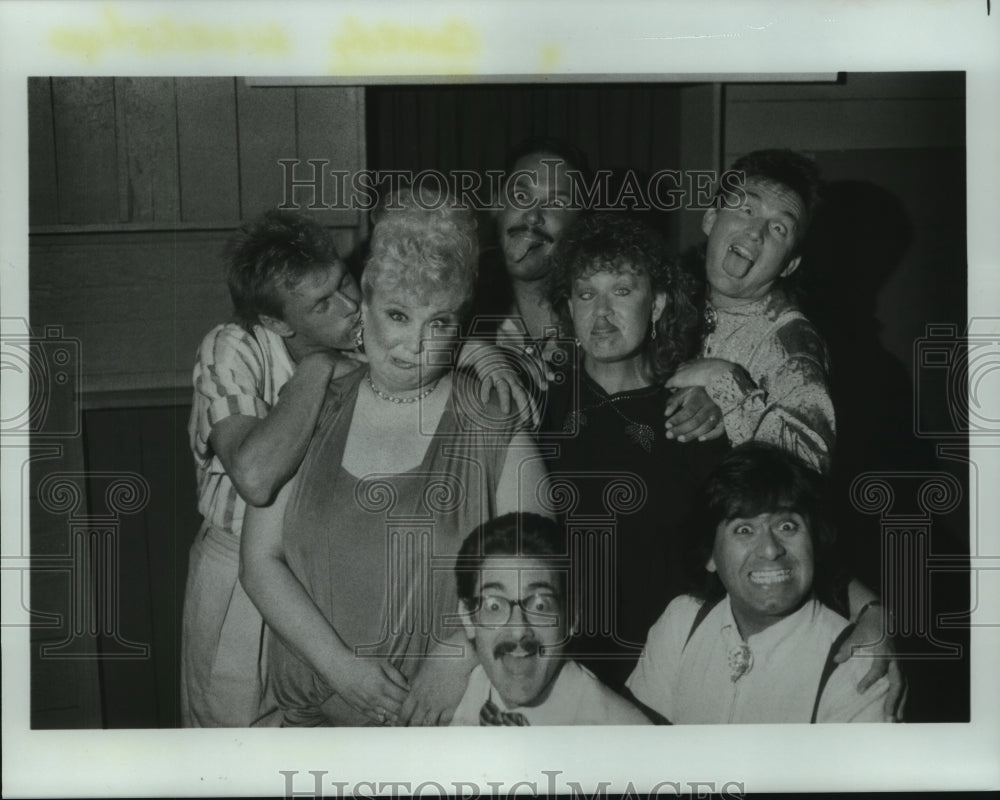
(541, 609)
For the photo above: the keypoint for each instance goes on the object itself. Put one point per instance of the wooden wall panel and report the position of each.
(86, 149)
(153, 552)
(118, 449)
(43, 198)
(267, 134)
(139, 303)
(123, 175)
(147, 135)
(65, 689)
(836, 124)
(136, 154)
(329, 125)
(207, 137)
(857, 86)
(172, 521)
(862, 112)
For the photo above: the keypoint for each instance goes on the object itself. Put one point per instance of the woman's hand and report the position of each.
(374, 687)
(436, 692)
(870, 641)
(691, 415)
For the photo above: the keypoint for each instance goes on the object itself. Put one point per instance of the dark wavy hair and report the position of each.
(757, 478)
(277, 249)
(515, 534)
(613, 242)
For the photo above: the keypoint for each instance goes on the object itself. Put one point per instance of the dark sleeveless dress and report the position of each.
(377, 554)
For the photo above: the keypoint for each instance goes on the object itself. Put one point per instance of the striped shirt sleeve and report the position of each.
(228, 379)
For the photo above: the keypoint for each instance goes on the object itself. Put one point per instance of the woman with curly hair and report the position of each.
(352, 567)
(635, 316)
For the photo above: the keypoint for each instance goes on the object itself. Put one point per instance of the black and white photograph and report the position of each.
(418, 383)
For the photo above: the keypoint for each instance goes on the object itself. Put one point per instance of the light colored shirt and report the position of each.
(236, 372)
(576, 698)
(781, 395)
(690, 681)
(531, 356)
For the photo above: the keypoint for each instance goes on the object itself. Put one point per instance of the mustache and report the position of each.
(536, 232)
(529, 644)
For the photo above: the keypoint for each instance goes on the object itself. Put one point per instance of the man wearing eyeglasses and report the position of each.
(511, 575)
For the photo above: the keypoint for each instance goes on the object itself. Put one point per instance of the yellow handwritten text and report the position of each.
(162, 35)
(385, 47)
(549, 57)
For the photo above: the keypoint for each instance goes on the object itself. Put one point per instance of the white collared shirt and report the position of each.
(690, 681)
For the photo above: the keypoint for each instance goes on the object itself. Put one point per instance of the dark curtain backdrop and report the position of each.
(618, 126)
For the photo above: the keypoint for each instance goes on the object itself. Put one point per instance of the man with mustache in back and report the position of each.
(538, 202)
(542, 197)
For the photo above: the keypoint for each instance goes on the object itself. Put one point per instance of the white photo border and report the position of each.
(557, 40)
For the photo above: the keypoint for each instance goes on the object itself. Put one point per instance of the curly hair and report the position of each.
(757, 478)
(613, 242)
(425, 243)
(277, 249)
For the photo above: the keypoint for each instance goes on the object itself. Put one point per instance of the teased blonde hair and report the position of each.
(424, 243)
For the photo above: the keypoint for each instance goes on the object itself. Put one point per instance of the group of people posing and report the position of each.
(567, 480)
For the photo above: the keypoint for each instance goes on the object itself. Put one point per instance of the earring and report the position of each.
(359, 337)
(653, 334)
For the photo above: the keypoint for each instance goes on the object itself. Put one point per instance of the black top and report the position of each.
(633, 493)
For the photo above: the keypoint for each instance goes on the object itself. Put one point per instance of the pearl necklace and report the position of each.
(401, 400)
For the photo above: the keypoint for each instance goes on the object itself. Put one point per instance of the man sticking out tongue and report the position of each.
(762, 362)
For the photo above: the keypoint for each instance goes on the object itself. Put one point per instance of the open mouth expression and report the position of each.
(766, 565)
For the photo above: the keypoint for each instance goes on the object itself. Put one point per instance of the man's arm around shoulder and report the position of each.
(261, 454)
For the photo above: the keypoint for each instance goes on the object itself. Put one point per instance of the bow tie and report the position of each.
(490, 714)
